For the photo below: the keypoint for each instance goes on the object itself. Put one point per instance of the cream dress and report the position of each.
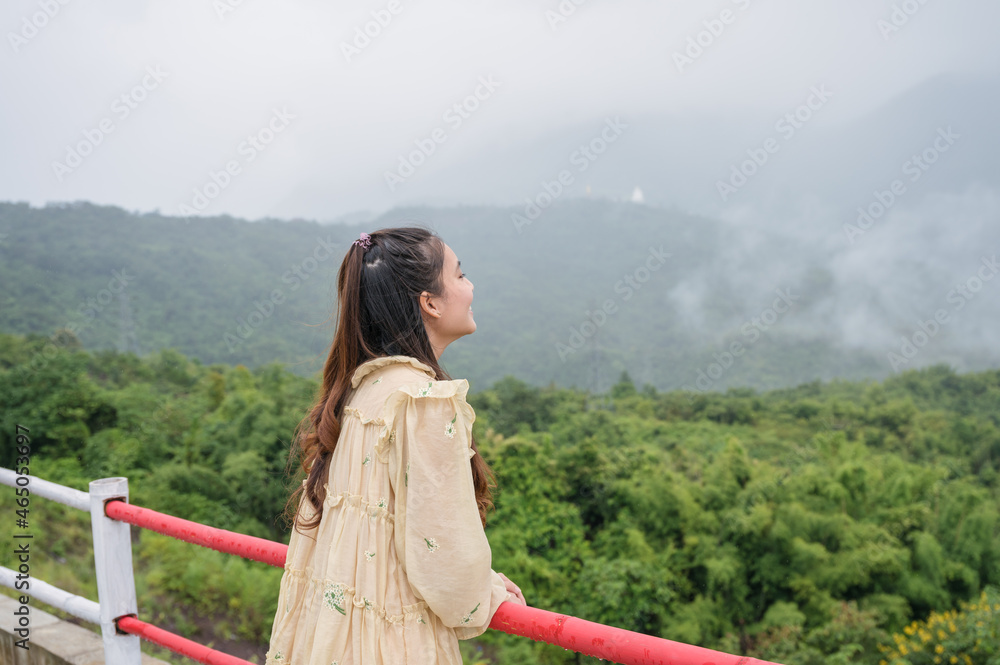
(399, 567)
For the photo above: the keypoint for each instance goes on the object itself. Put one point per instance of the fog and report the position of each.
(787, 121)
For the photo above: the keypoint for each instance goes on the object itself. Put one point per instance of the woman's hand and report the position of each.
(514, 590)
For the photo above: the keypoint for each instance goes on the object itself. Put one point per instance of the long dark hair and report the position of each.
(378, 305)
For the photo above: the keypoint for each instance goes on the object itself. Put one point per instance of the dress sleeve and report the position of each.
(439, 537)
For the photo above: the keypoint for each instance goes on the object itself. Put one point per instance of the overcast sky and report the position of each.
(229, 70)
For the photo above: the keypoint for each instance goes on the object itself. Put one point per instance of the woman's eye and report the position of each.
(463, 275)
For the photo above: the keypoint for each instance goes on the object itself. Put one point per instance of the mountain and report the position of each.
(585, 289)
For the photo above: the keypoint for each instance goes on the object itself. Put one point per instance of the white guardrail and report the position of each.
(112, 561)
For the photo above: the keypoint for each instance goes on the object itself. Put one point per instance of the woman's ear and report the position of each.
(428, 305)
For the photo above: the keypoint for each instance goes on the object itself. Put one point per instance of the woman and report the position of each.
(388, 561)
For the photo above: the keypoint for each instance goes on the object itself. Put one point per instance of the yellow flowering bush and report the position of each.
(969, 636)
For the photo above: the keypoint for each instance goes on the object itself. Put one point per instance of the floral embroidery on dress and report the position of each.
(368, 605)
(288, 606)
(334, 597)
(368, 458)
(431, 544)
(278, 655)
(380, 504)
(420, 619)
(468, 617)
(369, 554)
(424, 392)
(378, 380)
(406, 477)
(449, 429)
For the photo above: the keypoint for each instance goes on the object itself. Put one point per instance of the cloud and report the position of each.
(228, 72)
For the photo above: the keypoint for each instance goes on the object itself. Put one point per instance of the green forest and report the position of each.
(831, 522)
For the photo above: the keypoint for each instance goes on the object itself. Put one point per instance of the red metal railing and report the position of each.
(248, 547)
(176, 643)
(593, 639)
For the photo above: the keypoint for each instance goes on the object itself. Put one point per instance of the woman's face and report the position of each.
(450, 316)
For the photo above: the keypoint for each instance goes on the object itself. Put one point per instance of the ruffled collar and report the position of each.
(370, 366)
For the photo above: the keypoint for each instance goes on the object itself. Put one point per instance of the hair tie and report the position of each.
(365, 241)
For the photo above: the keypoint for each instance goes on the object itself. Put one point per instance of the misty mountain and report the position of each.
(679, 159)
(584, 290)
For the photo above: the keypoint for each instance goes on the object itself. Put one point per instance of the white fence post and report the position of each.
(113, 562)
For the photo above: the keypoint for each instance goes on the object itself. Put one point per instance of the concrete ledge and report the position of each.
(52, 640)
